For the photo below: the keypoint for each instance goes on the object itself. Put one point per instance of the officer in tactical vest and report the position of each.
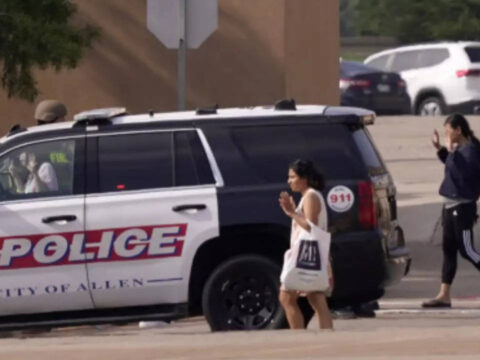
(60, 156)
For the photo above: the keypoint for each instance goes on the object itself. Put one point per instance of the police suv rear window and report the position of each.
(369, 153)
(191, 163)
(269, 150)
(135, 161)
(153, 160)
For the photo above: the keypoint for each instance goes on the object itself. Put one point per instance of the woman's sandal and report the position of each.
(435, 303)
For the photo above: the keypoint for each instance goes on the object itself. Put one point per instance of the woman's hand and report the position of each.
(436, 140)
(287, 203)
(449, 143)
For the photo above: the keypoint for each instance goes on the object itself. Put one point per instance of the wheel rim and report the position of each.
(248, 302)
(431, 108)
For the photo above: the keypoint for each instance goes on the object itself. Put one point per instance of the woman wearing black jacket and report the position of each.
(460, 189)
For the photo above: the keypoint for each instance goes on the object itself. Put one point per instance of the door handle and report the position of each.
(180, 208)
(67, 218)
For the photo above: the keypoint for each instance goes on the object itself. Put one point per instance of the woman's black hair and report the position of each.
(458, 121)
(306, 170)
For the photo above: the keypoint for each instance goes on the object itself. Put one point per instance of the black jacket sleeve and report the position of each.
(442, 154)
(464, 166)
(462, 173)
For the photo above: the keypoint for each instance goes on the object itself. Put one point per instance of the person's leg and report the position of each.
(318, 301)
(464, 220)
(289, 301)
(450, 249)
(449, 267)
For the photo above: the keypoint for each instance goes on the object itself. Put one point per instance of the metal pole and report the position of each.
(182, 54)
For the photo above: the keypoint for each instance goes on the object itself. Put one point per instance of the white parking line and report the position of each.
(465, 306)
(444, 311)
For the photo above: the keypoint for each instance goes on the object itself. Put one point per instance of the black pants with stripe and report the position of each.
(458, 237)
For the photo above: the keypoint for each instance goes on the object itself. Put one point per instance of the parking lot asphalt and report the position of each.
(400, 330)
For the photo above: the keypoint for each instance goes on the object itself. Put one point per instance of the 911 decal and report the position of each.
(340, 199)
(92, 246)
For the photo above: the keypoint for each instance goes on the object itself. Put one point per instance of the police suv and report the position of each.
(116, 217)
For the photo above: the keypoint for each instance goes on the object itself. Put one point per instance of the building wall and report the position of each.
(263, 50)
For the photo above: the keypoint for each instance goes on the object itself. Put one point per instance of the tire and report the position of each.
(242, 294)
(431, 106)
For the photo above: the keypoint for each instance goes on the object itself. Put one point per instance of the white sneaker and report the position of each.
(152, 324)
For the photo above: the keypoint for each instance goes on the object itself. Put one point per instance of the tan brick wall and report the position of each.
(263, 50)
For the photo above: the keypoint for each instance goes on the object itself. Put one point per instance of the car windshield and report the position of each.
(473, 53)
(350, 68)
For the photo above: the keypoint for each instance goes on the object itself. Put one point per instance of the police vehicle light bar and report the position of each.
(98, 116)
(368, 119)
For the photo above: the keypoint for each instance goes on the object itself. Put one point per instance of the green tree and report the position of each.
(420, 20)
(348, 17)
(38, 34)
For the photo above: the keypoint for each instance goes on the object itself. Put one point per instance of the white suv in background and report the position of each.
(441, 77)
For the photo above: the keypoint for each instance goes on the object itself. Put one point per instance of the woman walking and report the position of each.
(305, 179)
(460, 189)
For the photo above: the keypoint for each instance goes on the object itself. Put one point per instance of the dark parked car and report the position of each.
(366, 87)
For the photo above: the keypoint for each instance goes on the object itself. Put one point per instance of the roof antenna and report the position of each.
(207, 111)
(151, 112)
(285, 104)
(15, 129)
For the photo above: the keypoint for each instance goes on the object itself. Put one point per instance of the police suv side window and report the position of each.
(135, 161)
(191, 163)
(269, 150)
(39, 170)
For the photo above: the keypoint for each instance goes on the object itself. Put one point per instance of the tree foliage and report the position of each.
(420, 20)
(38, 34)
(348, 17)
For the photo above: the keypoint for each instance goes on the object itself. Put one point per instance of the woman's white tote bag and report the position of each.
(305, 266)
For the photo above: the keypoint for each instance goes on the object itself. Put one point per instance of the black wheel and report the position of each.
(431, 106)
(242, 294)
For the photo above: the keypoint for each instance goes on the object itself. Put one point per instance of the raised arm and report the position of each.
(311, 208)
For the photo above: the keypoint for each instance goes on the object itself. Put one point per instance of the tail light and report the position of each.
(468, 72)
(346, 83)
(367, 209)
(401, 84)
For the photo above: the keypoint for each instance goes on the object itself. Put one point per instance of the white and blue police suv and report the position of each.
(116, 217)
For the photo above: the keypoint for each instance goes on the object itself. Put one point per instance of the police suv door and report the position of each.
(42, 268)
(152, 204)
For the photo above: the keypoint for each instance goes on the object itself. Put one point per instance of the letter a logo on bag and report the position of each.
(309, 255)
